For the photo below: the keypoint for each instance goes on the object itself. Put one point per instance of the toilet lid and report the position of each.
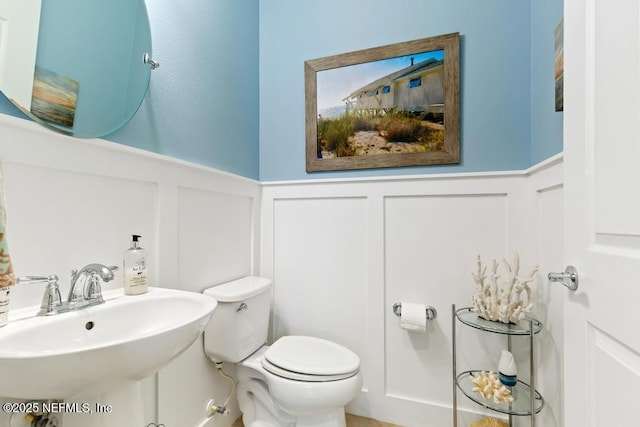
(312, 356)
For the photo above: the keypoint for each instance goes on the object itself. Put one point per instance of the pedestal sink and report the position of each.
(98, 349)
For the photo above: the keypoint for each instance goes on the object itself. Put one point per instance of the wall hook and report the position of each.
(569, 278)
(147, 60)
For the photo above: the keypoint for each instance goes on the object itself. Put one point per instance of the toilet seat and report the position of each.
(310, 359)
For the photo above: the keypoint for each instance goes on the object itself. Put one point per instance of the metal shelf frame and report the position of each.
(528, 327)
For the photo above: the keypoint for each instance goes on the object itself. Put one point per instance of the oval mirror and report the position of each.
(92, 64)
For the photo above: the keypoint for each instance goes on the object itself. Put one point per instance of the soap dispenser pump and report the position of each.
(135, 268)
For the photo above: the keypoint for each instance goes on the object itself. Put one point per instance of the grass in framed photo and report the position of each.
(389, 106)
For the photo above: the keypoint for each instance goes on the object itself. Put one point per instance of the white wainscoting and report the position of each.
(341, 252)
(72, 202)
(546, 233)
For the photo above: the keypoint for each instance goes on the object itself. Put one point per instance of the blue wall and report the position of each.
(495, 80)
(201, 104)
(230, 89)
(546, 123)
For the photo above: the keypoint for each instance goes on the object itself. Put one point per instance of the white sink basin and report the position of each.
(125, 339)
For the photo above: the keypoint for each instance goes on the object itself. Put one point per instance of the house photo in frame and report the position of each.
(388, 106)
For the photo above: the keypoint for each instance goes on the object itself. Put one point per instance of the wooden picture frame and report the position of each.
(416, 86)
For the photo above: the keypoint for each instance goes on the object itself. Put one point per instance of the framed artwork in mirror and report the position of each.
(389, 106)
(54, 97)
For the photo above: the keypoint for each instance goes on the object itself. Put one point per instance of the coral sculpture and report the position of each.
(489, 387)
(502, 302)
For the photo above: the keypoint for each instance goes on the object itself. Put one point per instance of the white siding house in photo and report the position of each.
(418, 88)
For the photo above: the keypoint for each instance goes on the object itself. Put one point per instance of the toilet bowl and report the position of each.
(298, 381)
(317, 400)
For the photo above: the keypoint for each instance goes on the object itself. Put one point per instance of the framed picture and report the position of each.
(389, 106)
(559, 66)
(54, 97)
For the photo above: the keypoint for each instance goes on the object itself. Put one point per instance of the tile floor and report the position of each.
(352, 421)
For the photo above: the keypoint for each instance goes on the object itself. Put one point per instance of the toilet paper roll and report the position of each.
(413, 317)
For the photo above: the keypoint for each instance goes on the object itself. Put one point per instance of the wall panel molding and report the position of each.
(72, 202)
(421, 237)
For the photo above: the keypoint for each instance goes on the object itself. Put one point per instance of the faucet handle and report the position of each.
(30, 280)
(93, 290)
(51, 300)
(113, 269)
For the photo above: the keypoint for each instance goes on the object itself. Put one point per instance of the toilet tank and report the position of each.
(239, 325)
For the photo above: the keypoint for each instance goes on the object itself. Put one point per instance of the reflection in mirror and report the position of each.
(90, 76)
(19, 22)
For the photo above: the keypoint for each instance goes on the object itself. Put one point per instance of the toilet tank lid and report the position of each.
(239, 289)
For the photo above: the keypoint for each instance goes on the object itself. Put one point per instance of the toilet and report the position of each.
(298, 381)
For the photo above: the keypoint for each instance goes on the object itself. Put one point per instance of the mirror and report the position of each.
(89, 76)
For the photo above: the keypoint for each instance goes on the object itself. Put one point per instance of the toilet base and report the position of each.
(258, 410)
(267, 400)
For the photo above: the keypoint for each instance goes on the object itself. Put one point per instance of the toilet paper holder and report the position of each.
(431, 312)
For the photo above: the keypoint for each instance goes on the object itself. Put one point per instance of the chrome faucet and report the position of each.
(90, 293)
(85, 289)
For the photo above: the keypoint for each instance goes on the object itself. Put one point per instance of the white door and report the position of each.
(602, 193)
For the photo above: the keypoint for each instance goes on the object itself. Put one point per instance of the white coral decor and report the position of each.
(502, 302)
(489, 387)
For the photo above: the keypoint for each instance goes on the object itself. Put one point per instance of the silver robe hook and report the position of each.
(147, 60)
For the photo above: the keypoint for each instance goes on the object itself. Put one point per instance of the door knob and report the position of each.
(569, 278)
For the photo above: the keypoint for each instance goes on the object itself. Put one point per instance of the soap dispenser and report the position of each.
(135, 268)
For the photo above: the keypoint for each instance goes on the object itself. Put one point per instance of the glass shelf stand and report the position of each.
(470, 318)
(520, 392)
(525, 403)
